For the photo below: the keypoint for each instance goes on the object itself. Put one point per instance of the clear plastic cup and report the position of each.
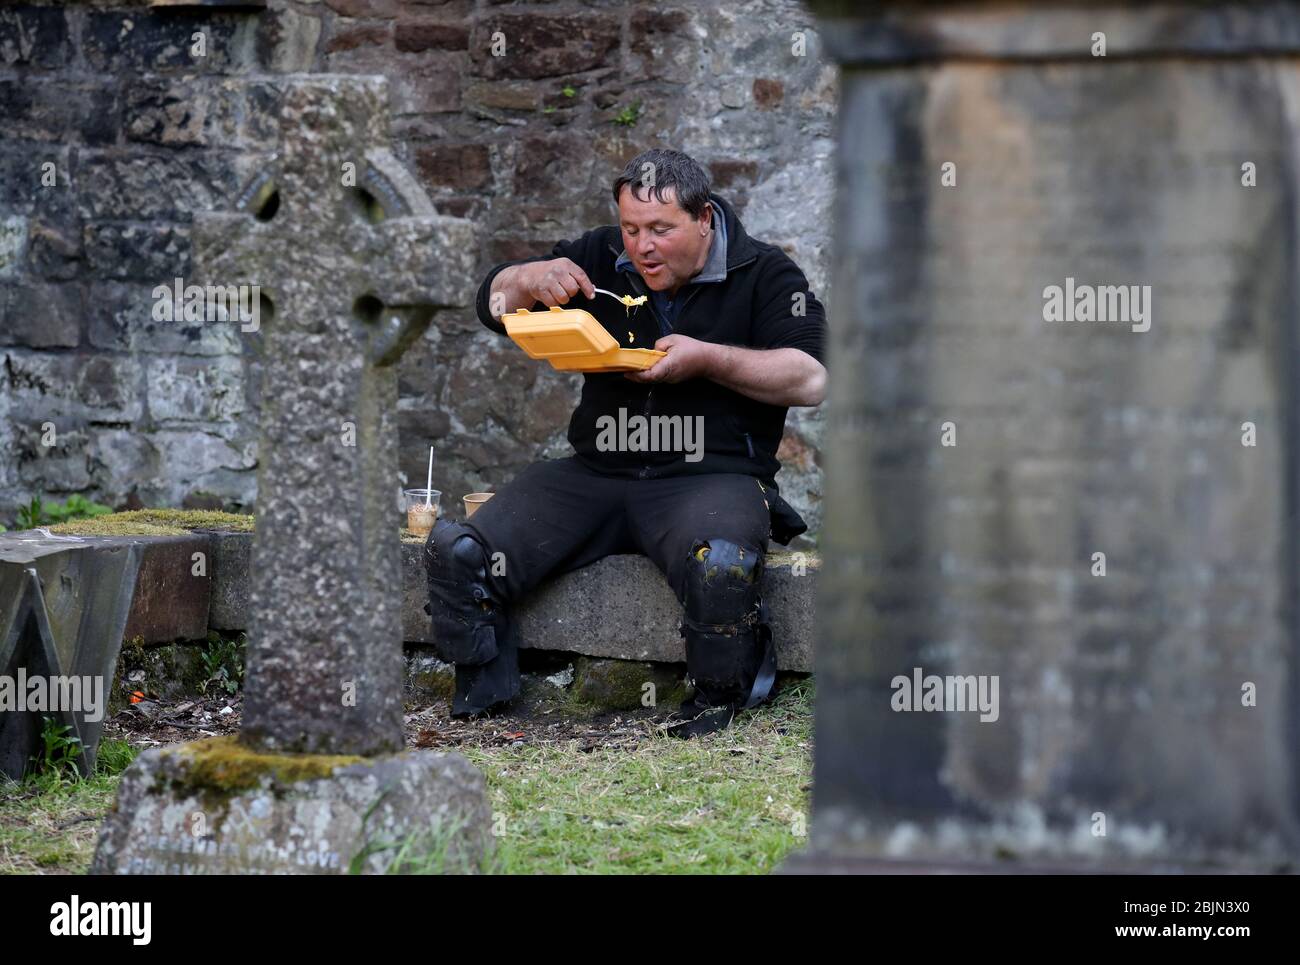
(421, 510)
(473, 501)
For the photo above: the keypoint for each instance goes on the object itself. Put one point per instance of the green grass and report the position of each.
(730, 802)
(49, 825)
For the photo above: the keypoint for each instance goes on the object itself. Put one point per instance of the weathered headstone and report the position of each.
(352, 262)
(64, 604)
(1096, 517)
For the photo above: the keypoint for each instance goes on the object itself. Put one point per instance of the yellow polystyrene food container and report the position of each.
(619, 360)
(558, 333)
(573, 341)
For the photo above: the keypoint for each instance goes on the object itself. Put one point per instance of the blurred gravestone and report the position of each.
(64, 606)
(1095, 515)
(351, 262)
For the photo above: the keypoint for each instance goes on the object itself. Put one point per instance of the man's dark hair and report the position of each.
(656, 170)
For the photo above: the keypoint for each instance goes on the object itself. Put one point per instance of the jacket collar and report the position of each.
(740, 249)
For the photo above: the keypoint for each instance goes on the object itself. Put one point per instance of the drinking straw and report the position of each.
(428, 486)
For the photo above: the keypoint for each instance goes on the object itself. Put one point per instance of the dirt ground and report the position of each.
(536, 717)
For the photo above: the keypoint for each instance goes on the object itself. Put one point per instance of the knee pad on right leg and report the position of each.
(728, 639)
(468, 621)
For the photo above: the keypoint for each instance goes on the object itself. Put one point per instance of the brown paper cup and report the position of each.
(473, 501)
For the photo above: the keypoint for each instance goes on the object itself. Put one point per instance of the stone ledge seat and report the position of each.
(619, 607)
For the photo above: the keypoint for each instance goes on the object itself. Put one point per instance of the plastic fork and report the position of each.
(618, 297)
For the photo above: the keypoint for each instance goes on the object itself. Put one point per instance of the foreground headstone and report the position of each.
(295, 814)
(352, 263)
(1057, 613)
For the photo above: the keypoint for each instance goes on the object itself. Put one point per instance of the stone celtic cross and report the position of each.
(352, 262)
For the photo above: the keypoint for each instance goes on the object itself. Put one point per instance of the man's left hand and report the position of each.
(687, 358)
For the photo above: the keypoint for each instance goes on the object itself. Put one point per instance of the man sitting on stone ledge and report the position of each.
(744, 339)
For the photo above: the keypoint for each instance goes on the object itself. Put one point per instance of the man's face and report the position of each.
(665, 244)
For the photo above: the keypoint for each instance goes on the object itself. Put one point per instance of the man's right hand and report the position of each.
(551, 282)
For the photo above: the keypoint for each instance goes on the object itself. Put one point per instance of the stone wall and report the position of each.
(143, 132)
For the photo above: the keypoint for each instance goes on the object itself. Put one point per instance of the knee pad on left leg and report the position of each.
(468, 622)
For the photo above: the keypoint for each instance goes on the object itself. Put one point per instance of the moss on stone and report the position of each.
(438, 684)
(131, 657)
(156, 522)
(170, 670)
(604, 685)
(222, 766)
(132, 653)
(108, 526)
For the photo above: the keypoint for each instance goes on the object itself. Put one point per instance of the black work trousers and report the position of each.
(558, 515)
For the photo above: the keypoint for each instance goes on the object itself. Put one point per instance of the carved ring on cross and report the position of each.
(383, 189)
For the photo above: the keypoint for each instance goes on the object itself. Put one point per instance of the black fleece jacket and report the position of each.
(763, 303)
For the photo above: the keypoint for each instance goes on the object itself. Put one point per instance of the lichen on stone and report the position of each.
(601, 685)
(156, 522)
(223, 766)
(436, 684)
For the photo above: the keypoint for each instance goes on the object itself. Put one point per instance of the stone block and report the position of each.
(40, 316)
(184, 389)
(419, 35)
(37, 182)
(231, 570)
(159, 185)
(660, 43)
(13, 244)
(58, 468)
(76, 388)
(125, 252)
(370, 9)
(120, 319)
(504, 95)
(621, 607)
(61, 111)
(286, 40)
(216, 807)
(54, 251)
(171, 600)
(32, 36)
(169, 112)
(544, 45)
(459, 166)
(124, 42)
(626, 684)
(538, 160)
(356, 36)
